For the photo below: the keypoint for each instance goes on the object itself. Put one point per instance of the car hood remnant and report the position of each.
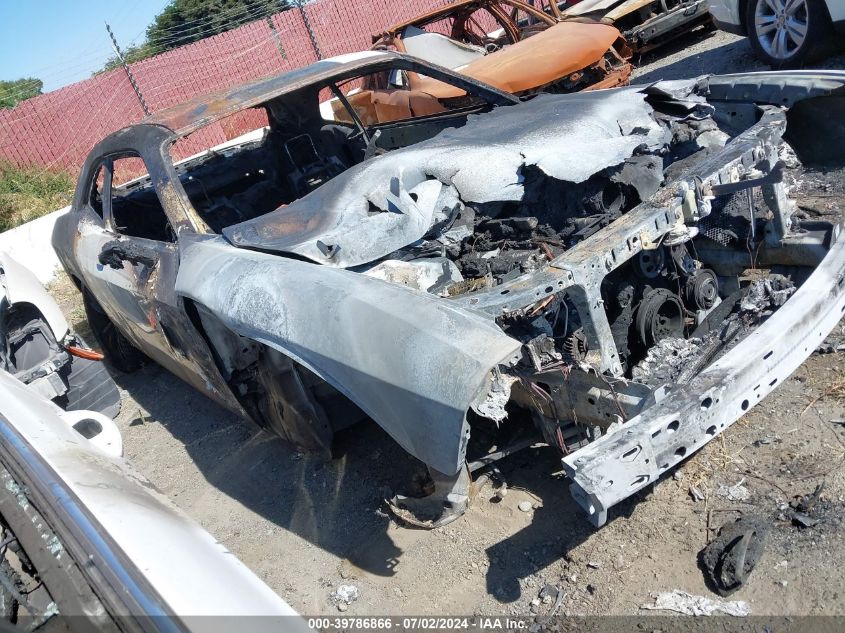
(388, 202)
(543, 59)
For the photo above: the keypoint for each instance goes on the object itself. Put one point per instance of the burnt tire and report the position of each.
(299, 406)
(789, 38)
(8, 603)
(116, 347)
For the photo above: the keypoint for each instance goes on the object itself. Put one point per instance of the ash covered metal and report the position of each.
(619, 275)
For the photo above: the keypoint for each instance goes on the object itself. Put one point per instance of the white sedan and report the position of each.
(784, 33)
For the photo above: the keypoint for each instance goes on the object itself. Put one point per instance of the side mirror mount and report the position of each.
(116, 252)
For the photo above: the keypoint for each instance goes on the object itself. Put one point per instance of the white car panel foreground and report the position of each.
(144, 563)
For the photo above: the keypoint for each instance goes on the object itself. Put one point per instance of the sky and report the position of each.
(61, 42)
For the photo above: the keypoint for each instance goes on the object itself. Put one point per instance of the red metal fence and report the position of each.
(58, 129)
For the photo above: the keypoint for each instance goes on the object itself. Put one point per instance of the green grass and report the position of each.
(30, 192)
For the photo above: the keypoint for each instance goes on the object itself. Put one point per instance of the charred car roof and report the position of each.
(463, 5)
(191, 115)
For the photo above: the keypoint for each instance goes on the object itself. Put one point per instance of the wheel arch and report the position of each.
(23, 288)
(76, 281)
(276, 389)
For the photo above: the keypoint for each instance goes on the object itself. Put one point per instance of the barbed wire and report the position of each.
(215, 58)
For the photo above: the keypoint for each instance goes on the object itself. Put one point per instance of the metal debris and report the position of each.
(346, 594)
(804, 521)
(493, 406)
(696, 494)
(730, 557)
(548, 594)
(808, 502)
(767, 293)
(689, 604)
(737, 492)
(803, 507)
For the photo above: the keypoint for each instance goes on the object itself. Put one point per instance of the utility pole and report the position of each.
(300, 5)
(128, 71)
(276, 37)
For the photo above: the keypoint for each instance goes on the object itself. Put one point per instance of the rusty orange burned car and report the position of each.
(513, 46)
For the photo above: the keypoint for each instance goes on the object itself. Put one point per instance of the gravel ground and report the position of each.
(707, 53)
(306, 526)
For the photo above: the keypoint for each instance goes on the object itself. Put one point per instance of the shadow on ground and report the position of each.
(337, 505)
(686, 61)
(558, 525)
(331, 504)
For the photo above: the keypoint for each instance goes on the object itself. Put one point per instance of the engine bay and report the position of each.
(670, 298)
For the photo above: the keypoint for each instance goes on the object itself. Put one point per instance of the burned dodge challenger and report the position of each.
(619, 274)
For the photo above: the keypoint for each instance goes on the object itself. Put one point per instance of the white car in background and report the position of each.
(784, 33)
(88, 544)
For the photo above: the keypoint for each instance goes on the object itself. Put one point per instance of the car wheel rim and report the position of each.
(781, 26)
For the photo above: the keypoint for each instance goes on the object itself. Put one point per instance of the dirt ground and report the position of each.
(307, 526)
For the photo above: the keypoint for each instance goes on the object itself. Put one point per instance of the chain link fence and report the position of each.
(57, 130)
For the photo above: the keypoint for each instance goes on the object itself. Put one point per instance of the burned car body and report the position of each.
(610, 273)
(513, 46)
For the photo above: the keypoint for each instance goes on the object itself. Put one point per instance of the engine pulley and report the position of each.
(660, 315)
(702, 290)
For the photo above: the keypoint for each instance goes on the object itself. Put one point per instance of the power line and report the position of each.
(254, 16)
(72, 62)
(218, 19)
(214, 57)
(242, 19)
(230, 11)
(62, 74)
